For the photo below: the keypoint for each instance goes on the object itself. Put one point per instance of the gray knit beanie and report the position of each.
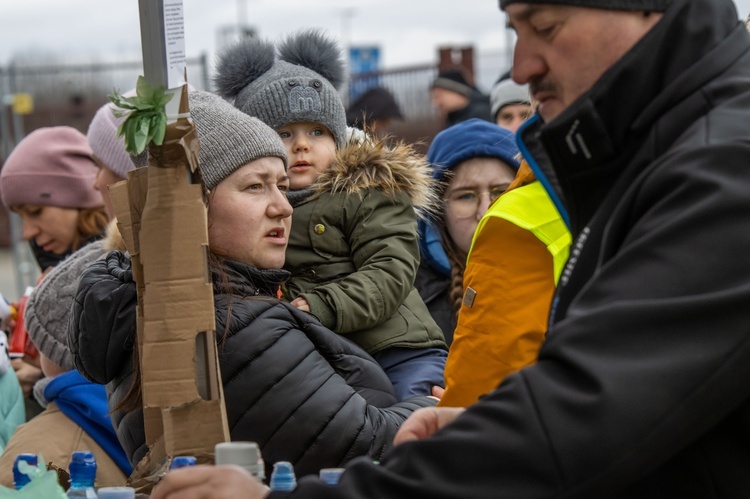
(48, 309)
(300, 86)
(507, 92)
(229, 138)
(646, 5)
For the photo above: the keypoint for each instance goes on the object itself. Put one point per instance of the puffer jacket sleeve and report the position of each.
(102, 328)
(305, 394)
(384, 247)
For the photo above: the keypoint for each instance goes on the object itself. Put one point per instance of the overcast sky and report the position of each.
(407, 31)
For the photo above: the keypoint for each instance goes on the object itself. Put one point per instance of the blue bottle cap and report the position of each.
(21, 479)
(82, 469)
(283, 477)
(182, 462)
(330, 476)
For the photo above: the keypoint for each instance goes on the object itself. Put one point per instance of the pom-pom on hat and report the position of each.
(229, 138)
(106, 145)
(645, 5)
(52, 166)
(298, 86)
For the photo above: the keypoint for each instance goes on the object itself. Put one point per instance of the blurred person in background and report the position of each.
(373, 111)
(109, 152)
(12, 407)
(457, 100)
(511, 104)
(76, 415)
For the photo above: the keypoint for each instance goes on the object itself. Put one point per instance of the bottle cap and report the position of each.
(20, 479)
(283, 477)
(82, 468)
(330, 476)
(243, 454)
(116, 493)
(182, 462)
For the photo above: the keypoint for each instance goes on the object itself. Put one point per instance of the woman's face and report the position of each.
(474, 185)
(104, 178)
(249, 216)
(52, 228)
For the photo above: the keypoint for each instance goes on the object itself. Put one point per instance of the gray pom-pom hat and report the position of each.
(300, 85)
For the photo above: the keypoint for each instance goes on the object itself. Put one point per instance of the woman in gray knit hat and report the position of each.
(303, 393)
(353, 250)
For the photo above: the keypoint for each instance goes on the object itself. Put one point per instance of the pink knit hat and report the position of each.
(105, 143)
(52, 167)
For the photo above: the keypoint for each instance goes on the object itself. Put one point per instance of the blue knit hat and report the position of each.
(474, 138)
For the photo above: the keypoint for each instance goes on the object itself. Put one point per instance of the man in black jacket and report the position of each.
(642, 388)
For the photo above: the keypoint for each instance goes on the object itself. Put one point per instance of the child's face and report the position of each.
(311, 149)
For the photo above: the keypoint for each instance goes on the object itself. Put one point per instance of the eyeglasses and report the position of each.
(464, 203)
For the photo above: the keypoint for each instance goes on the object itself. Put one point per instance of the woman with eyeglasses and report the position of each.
(475, 161)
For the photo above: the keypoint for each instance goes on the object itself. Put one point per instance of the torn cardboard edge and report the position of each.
(162, 217)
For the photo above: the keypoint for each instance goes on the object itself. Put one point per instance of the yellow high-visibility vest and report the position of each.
(531, 208)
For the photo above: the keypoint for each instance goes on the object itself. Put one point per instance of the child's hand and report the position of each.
(301, 304)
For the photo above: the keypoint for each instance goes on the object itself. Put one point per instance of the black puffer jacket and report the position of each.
(303, 393)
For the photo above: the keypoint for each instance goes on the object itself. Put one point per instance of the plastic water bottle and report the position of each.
(182, 462)
(330, 476)
(243, 454)
(82, 475)
(116, 493)
(283, 478)
(21, 479)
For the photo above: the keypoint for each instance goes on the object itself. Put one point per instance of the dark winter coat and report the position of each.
(434, 288)
(478, 107)
(303, 393)
(642, 388)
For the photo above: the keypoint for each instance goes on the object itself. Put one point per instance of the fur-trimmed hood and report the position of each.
(367, 163)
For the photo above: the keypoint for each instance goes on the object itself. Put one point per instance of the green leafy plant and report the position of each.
(146, 119)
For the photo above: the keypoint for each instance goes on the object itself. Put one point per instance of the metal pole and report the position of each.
(5, 142)
(24, 265)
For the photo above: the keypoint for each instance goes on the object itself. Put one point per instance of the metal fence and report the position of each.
(62, 94)
(70, 94)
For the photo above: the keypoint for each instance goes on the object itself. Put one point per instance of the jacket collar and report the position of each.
(579, 155)
(246, 280)
(392, 168)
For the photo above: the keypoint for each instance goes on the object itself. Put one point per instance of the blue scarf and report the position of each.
(86, 404)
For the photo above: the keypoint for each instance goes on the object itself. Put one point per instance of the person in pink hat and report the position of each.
(48, 180)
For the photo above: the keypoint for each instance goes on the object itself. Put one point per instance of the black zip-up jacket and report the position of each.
(642, 389)
(303, 393)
